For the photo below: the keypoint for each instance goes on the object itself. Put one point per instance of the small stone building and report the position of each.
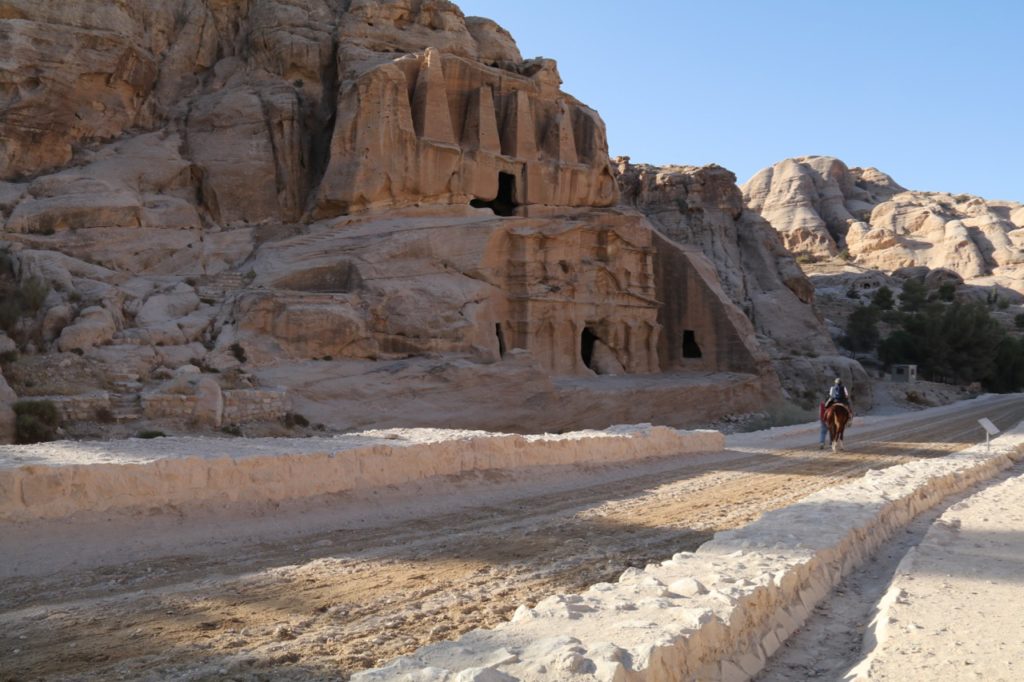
(906, 374)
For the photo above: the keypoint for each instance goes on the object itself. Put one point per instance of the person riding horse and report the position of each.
(837, 394)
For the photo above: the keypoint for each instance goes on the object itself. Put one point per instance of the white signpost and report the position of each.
(990, 430)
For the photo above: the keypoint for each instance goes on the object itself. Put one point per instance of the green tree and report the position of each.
(899, 348)
(958, 343)
(1008, 367)
(955, 342)
(862, 329)
(883, 299)
(913, 296)
(972, 337)
(947, 292)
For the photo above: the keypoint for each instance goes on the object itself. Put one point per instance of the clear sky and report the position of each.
(931, 92)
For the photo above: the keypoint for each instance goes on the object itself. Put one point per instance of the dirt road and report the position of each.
(350, 594)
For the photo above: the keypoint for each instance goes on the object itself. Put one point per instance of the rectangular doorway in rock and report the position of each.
(505, 203)
(501, 339)
(587, 339)
(690, 347)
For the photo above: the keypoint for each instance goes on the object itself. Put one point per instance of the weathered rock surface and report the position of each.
(822, 207)
(209, 409)
(703, 209)
(94, 326)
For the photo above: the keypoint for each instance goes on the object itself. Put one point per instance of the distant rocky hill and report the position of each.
(823, 208)
(368, 212)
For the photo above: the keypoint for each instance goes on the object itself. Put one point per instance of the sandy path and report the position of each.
(319, 605)
(831, 642)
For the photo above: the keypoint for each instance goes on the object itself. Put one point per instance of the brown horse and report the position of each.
(837, 416)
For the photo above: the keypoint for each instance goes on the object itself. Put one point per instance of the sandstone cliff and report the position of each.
(703, 209)
(379, 206)
(822, 207)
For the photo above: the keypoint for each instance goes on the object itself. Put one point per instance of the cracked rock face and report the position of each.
(820, 207)
(237, 184)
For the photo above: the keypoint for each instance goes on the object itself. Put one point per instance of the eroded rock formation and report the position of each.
(703, 209)
(328, 195)
(822, 207)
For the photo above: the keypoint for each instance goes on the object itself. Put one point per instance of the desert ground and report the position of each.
(322, 589)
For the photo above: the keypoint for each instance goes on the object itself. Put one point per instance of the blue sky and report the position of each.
(930, 92)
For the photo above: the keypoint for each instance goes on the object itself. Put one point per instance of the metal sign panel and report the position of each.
(990, 428)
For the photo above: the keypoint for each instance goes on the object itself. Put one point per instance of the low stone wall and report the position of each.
(240, 405)
(718, 613)
(248, 405)
(78, 408)
(72, 477)
(168, 405)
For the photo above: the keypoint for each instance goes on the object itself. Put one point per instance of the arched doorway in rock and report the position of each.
(505, 203)
(587, 339)
(691, 349)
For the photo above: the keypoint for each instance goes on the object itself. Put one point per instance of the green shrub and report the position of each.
(293, 419)
(10, 312)
(36, 421)
(231, 429)
(16, 302)
(33, 293)
(238, 351)
(150, 433)
(917, 399)
(104, 415)
(6, 263)
(1018, 320)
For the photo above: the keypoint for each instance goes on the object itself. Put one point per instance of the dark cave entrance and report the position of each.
(501, 339)
(504, 204)
(587, 339)
(690, 347)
